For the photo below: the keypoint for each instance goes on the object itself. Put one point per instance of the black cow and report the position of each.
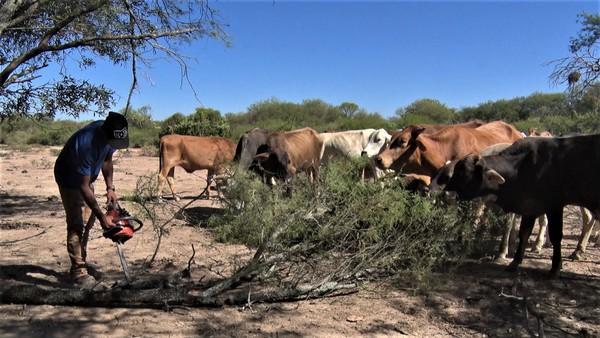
(247, 146)
(534, 176)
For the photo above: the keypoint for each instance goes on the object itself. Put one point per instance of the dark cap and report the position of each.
(116, 129)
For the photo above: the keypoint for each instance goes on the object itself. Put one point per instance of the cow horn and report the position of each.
(493, 176)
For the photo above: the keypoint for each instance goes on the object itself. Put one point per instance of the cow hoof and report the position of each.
(554, 274)
(512, 267)
(500, 260)
(576, 255)
(536, 250)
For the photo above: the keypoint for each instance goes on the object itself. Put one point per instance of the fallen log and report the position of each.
(158, 298)
(289, 294)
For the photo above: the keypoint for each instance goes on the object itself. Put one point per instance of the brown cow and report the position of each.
(433, 128)
(193, 153)
(425, 154)
(286, 153)
(533, 132)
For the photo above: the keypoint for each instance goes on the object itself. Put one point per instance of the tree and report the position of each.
(425, 111)
(203, 122)
(581, 69)
(37, 33)
(349, 109)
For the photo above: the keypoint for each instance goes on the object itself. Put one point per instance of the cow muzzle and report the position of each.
(449, 197)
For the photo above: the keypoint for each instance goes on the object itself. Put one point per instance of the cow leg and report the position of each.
(555, 232)
(209, 175)
(525, 229)
(171, 183)
(480, 215)
(540, 241)
(506, 236)
(166, 172)
(587, 223)
(596, 231)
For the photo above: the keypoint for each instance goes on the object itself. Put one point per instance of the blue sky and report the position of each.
(380, 55)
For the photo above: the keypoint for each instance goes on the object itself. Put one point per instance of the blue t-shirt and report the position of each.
(83, 155)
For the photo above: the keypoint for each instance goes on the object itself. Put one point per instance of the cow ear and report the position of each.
(420, 144)
(415, 133)
(493, 176)
(261, 157)
(478, 160)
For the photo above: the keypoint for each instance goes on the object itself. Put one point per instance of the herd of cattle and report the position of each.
(531, 177)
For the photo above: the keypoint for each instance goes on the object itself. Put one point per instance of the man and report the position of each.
(86, 153)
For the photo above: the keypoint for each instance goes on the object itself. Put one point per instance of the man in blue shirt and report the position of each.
(88, 152)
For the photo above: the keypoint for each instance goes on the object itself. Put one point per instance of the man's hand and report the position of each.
(106, 222)
(111, 196)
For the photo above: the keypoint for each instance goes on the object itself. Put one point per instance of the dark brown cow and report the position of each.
(424, 154)
(533, 177)
(193, 153)
(286, 153)
(248, 145)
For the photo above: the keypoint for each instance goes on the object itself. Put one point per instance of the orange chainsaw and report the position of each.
(122, 232)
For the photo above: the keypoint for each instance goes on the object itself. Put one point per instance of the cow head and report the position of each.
(472, 178)
(441, 178)
(248, 145)
(272, 164)
(401, 147)
(378, 140)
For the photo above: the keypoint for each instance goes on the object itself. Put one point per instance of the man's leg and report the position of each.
(74, 204)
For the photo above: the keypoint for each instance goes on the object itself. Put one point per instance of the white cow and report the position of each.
(377, 141)
(348, 144)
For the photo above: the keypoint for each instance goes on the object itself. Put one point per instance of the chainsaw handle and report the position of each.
(130, 218)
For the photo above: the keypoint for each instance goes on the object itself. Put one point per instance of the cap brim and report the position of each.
(119, 143)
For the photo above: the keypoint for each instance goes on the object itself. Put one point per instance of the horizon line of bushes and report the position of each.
(555, 112)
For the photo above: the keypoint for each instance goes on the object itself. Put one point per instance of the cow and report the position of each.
(348, 144)
(533, 132)
(286, 153)
(376, 143)
(424, 154)
(444, 175)
(248, 145)
(193, 153)
(533, 177)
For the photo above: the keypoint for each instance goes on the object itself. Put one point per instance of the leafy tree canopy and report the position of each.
(37, 33)
(426, 110)
(203, 122)
(581, 69)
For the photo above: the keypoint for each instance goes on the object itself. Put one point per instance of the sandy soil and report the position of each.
(481, 300)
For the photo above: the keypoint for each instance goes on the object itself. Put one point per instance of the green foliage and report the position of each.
(203, 122)
(346, 225)
(29, 131)
(425, 111)
(589, 34)
(275, 115)
(349, 109)
(34, 34)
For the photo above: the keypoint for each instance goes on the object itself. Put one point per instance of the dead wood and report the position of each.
(157, 298)
(242, 298)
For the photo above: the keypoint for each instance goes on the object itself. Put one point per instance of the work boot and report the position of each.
(85, 282)
(97, 274)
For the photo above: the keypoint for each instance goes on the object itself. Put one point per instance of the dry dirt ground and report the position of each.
(481, 300)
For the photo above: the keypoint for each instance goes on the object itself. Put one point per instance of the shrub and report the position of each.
(344, 226)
